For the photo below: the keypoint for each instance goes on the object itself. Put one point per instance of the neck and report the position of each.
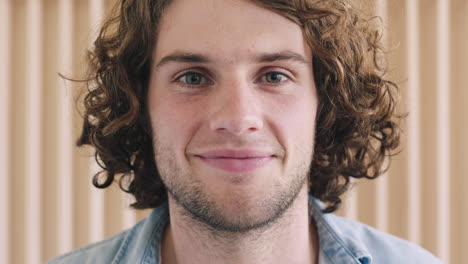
(291, 239)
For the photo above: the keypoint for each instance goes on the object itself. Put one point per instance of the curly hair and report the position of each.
(356, 123)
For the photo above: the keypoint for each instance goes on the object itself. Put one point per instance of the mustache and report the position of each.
(236, 142)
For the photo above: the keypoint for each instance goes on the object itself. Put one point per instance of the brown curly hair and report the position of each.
(356, 125)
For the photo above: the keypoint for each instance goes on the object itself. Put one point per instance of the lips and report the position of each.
(236, 160)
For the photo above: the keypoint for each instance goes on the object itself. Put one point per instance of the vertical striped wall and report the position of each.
(48, 205)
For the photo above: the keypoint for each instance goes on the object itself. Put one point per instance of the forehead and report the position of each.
(228, 30)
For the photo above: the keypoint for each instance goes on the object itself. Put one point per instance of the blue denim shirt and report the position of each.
(341, 241)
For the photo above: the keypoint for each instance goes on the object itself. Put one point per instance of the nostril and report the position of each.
(236, 126)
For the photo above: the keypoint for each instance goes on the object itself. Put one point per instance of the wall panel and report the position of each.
(51, 133)
(5, 93)
(17, 135)
(459, 129)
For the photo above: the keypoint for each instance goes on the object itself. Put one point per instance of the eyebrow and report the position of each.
(186, 57)
(282, 55)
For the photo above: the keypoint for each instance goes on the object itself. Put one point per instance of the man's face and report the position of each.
(232, 102)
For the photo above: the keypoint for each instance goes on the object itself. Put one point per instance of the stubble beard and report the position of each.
(217, 216)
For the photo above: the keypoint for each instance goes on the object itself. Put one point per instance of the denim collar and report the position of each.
(335, 246)
(142, 241)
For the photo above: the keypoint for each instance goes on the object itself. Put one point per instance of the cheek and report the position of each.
(173, 123)
(295, 118)
(294, 125)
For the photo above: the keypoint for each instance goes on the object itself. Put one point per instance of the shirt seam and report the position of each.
(149, 245)
(336, 237)
(123, 248)
(152, 239)
(328, 257)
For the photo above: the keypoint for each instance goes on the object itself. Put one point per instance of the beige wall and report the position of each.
(47, 205)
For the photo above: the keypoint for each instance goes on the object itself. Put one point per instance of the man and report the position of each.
(238, 121)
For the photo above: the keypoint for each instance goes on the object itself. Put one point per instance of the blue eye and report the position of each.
(275, 77)
(192, 78)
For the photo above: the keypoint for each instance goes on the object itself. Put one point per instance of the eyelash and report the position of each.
(184, 84)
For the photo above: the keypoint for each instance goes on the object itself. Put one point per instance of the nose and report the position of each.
(237, 110)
